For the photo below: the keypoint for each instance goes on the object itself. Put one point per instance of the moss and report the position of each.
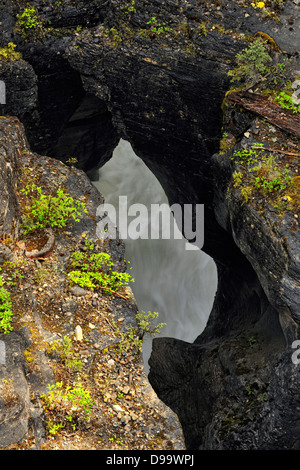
(267, 40)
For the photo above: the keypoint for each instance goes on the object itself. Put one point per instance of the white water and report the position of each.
(177, 283)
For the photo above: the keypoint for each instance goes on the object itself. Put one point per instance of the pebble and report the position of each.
(125, 419)
(78, 291)
(118, 409)
(110, 362)
(126, 389)
(78, 333)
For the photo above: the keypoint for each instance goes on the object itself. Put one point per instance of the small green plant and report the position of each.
(113, 35)
(68, 354)
(43, 210)
(202, 30)
(5, 309)
(269, 177)
(54, 428)
(258, 172)
(69, 405)
(287, 101)
(117, 441)
(8, 54)
(226, 143)
(29, 23)
(145, 323)
(97, 271)
(252, 63)
(156, 27)
(252, 340)
(12, 271)
(237, 179)
(130, 9)
(132, 338)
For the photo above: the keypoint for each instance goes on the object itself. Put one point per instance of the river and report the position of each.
(171, 277)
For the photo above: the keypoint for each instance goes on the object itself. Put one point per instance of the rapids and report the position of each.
(171, 277)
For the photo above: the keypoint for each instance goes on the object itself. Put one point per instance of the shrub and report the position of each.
(8, 54)
(287, 101)
(132, 337)
(252, 63)
(5, 309)
(29, 23)
(259, 172)
(42, 210)
(70, 406)
(96, 270)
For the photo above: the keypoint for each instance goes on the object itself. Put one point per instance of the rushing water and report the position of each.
(176, 282)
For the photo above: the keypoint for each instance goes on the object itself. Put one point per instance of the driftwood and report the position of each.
(284, 119)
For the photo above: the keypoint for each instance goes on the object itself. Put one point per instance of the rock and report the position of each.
(125, 419)
(78, 333)
(78, 291)
(117, 408)
(14, 391)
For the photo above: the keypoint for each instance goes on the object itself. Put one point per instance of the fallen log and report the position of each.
(275, 114)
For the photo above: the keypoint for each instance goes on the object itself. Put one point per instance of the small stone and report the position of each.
(126, 389)
(125, 419)
(247, 135)
(134, 417)
(91, 326)
(78, 291)
(78, 333)
(117, 408)
(110, 362)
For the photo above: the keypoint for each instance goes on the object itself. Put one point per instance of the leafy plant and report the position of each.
(8, 54)
(287, 101)
(130, 9)
(5, 309)
(43, 210)
(70, 405)
(252, 63)
(67, 354)
(258, 172)
(132, 337)
(96, 271)
(13, 274)
(29, 23)
(156, 27)
(145, 323)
